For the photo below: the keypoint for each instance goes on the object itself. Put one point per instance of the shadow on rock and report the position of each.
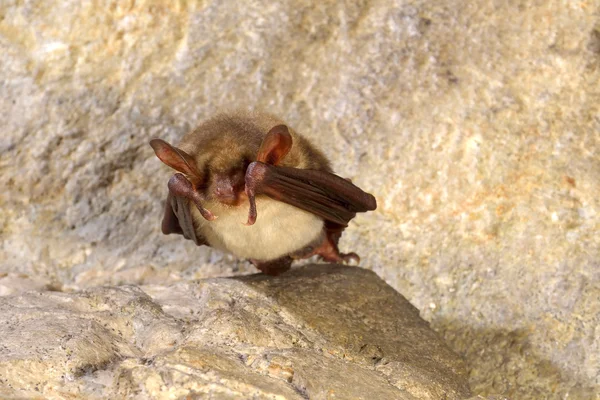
(503, 362)
(350, 315)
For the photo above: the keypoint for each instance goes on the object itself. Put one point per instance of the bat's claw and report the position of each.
(350, 258)
(328, 251)
(252, 201)
(179, 185)
(206, 214)
(251, 218)
(341, 258)
(209, 216)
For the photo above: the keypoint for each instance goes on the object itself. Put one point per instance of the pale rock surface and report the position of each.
(319, 332)
(476, 124)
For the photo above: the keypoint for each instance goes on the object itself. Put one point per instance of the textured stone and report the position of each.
(318, 332)
(475, 123)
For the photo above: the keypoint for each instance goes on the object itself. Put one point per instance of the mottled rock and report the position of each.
(318, 332)
(489, 398)
(474, 122)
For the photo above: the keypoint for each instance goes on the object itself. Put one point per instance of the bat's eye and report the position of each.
(245, 163)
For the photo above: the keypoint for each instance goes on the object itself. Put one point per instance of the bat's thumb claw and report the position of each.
(252, 210)
(206, 214)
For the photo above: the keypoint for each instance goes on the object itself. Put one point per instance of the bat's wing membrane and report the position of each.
(321, 193)
(178, 219)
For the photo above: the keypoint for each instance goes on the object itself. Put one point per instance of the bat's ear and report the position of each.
(175, 158)
(276, 144)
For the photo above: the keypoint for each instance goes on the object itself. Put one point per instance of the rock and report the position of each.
(475, 124)
(489, 398)
(11, 283)
(319, 332)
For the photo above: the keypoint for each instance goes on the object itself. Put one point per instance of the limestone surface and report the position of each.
(475, 123)
(319, 332)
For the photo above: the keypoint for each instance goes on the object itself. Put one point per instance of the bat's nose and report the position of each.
(227, 191)
(224, 193)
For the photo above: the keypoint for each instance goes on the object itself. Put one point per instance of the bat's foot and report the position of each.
(328, 250)
(330, 253)
(274, 267)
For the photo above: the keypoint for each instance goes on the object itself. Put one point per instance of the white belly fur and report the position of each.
(280, 229)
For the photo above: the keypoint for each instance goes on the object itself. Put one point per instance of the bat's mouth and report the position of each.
(236, 200)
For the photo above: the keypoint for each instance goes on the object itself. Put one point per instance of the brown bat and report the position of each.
(252, 168)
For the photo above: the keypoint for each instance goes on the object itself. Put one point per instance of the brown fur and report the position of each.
(224, 141)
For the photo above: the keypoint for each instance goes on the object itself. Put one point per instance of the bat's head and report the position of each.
(220, 173)
(225, 180)
(218, 177)
(229, 159)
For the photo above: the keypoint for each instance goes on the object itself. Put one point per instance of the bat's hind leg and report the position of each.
(328, 250)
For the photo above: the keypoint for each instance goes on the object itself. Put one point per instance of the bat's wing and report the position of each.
(178, 219)
(177, 216)
(322, 193)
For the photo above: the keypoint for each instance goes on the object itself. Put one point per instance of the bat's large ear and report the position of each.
(276, 144)
(175, 158)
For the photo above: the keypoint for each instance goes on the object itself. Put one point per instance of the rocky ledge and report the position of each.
(318, 332)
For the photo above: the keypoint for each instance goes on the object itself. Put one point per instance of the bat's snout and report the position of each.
(225, 194)
(228, 190)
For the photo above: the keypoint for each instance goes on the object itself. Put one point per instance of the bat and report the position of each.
(249, 185)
